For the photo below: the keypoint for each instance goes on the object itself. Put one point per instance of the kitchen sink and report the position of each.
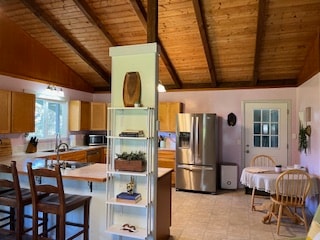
(47, 163)
(51, 150)
(65, 150)
(68, 164)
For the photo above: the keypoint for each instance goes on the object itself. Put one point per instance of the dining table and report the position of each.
(264, 179)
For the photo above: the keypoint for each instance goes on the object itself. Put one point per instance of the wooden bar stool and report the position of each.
(57, 202)
(14, 197)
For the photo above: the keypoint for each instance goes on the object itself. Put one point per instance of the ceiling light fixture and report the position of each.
(161, 87)
(53, 91)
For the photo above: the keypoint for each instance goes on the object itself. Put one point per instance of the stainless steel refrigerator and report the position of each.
(197, 152)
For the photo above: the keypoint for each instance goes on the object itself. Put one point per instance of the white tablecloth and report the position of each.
(264, 179)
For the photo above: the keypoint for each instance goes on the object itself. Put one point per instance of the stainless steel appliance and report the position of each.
(95, 140)
(197, 152)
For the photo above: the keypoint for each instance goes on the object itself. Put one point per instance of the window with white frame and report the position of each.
(50, 118)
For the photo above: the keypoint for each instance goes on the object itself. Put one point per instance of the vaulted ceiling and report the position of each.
(205, 44)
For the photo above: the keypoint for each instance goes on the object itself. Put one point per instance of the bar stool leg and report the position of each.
(86, 221)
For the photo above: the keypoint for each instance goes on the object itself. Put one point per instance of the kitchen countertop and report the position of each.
(93, 172)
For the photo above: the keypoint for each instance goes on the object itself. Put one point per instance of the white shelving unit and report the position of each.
(142, 58)
(137, 214)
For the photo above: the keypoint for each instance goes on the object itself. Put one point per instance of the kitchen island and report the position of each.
(91, 180)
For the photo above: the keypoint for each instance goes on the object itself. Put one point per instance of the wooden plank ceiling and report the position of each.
(205, 44)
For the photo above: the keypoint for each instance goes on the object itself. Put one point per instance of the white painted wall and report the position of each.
(221, 102)
(18, 85)
(308, 96)
(224, 102)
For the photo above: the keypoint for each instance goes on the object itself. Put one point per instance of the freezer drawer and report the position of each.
(196, 178)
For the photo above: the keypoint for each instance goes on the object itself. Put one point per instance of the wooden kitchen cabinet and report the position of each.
(23, 106)
(98, 116)
(78, 156)
(17, 112)
(167, 159)
(167, 115)
(96, 155)
(79, 115)
(5, 111)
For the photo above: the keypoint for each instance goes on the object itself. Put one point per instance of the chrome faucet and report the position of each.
(58, 151)
(58, 141)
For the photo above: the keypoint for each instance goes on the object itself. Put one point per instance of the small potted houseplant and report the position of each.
(133, 161)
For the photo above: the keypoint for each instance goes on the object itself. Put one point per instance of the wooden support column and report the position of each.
(152, 21)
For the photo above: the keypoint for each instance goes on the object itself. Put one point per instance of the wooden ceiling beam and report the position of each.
(86, 10)
(238, 85)
(259, 36)
(205, 43)
(61, 34)
(142, 15)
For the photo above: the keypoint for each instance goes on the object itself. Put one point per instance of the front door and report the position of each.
(266, 131)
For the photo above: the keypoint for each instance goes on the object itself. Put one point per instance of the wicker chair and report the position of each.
(292, 188)
(260, 161)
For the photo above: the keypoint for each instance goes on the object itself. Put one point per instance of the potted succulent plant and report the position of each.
(133, 161)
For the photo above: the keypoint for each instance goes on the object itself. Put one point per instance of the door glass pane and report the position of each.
(256, 141)
(274, 141)
(274, 128)
(257, 115)
(256, 128)
(266, 127)
(274, 116)
(265, 115)
(265, 141)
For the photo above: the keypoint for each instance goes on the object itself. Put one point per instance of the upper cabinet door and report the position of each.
(5, 111)
(22, 112)
(98, 116)
(167, 115)
(79, 115)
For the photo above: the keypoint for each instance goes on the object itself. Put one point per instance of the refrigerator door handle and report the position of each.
(192, 140)
(195, 168)
(196, 139)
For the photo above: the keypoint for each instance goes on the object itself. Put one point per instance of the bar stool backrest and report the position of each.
(38, 176)
(11, 182)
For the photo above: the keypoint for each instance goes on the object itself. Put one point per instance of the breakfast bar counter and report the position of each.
(91, 180)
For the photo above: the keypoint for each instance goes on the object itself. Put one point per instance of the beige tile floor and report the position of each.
(225, 216)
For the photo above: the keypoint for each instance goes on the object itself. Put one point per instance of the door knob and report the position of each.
(247, 151)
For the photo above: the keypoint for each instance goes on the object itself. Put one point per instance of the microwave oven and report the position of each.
(95, 140)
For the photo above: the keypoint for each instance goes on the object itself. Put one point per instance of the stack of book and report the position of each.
(128, 198)
(132, 133)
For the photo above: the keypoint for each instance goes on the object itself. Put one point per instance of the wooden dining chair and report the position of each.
(14, 197)
(260, 161)
(57, 202)
(292, 188)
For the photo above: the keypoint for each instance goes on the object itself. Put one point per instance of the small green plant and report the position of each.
(303, 140)
(132, 156)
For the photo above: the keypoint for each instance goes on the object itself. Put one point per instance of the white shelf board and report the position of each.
(128, 138)
(129, 173)
(129, 108)
(140, 233)
(141, 204)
